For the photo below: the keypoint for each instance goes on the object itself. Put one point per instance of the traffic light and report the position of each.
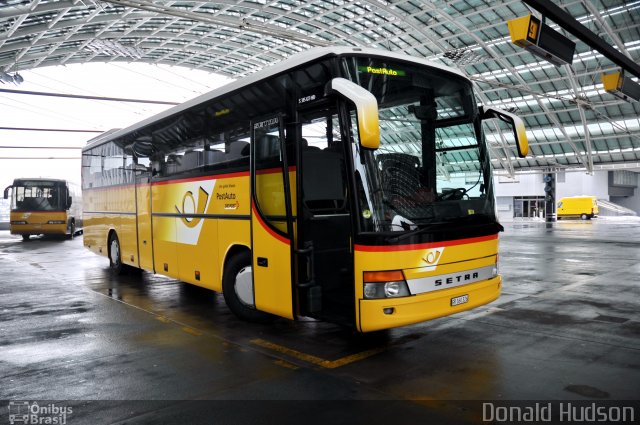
(549, 187)
(549, 195)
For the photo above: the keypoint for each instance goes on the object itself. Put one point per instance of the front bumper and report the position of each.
(430, 305)
(38, 229)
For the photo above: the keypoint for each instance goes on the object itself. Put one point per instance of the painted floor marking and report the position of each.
(309, 358)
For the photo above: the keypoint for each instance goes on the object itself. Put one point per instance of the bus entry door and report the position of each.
(324, 229)
(143, 220)
(271, 225)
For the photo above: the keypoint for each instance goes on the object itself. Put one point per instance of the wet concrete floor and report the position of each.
(567, 327)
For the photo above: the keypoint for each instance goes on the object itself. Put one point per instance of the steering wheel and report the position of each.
(453, 194)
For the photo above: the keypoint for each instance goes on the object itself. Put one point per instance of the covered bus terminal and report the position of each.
(81, 344)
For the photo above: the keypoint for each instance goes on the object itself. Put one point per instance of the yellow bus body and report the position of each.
(38, 222)
(194, 251)
(187, 249)
(447, 258)
(585, 207)
(42, 206)
(193, 194)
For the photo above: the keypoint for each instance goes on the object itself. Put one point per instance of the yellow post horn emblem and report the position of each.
(203, 197)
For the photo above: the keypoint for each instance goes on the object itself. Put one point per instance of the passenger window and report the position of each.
(323, 166)
(269, 179)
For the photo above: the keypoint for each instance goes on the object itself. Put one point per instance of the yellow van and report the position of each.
(585, 207)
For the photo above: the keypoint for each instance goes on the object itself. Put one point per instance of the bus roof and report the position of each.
(37, 179)
(579, 197)
(289, 63)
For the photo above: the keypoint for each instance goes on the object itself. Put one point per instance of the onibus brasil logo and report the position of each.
(24, 412)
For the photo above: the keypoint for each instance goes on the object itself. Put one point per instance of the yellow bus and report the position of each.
(345, 184)
(43, 207)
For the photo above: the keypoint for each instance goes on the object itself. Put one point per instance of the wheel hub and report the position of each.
(244, 286)
(115, 252)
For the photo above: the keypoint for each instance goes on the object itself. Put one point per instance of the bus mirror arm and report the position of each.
(6, 192)
(519, 131)
(366, 109)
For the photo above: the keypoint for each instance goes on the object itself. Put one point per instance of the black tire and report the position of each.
(238, 267)
(25, 237)
(584, 216)
(115, 255)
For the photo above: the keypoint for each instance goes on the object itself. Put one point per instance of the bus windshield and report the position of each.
(432, 166)
(37, 196)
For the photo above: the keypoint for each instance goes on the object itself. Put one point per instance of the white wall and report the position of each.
(632, 202)
(582, 184)
(504, 208)
(523, 185)
(574, 184)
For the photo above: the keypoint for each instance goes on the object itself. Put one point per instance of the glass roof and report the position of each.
(571, 120)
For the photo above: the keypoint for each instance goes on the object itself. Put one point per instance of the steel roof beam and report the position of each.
(605, 26)
(507, 65)
(584, 34)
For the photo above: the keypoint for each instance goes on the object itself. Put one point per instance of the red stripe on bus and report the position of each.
(200, 178)
(292, 169)
(410, 247)
(266, 227)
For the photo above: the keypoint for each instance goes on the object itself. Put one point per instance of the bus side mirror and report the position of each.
(515, 122)
(69, 201)
(366, 109)
(6, 192)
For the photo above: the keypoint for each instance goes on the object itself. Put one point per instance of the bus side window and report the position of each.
(213, 157)
(322, 180)
(238, 149)
(191, 160)
(172, 165)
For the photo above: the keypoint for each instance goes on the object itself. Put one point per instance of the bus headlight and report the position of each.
(388, 284)
(55, 222)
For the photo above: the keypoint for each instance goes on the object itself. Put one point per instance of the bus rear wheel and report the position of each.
(25, 237)
(237, 289)
(584, 217)
(115, 261)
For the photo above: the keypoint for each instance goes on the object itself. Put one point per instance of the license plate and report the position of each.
(459, 300)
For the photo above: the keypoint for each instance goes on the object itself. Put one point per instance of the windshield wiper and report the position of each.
(480, 218)
(413, 232)
(468, 218)
(472, 218)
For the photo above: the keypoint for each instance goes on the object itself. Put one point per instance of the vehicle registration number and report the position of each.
(459, 300)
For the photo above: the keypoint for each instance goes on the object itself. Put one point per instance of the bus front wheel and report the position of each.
(115, 262)
(584, 217)
(237, 289)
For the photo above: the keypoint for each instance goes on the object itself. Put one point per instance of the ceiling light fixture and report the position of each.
(5, 77)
